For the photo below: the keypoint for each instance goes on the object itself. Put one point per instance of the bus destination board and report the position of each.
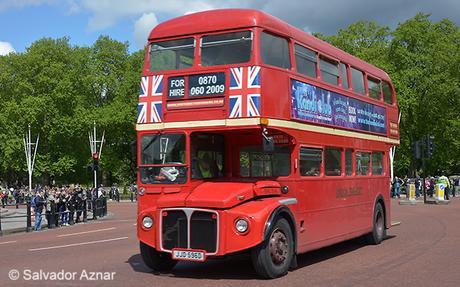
(206, 85)
(176, 87)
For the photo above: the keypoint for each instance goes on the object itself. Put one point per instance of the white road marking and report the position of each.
(85, 232)
(396, 223)
(78, 244)
(6, 242)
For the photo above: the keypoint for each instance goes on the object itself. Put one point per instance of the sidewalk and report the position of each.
(15, 220)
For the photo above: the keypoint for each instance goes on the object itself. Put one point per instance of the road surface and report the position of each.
(422, 251)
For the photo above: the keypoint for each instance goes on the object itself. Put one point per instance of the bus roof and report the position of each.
(226, 19)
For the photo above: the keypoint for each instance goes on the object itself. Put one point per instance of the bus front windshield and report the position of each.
(163, 159)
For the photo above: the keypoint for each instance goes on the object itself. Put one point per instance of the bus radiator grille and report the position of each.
(203, 233)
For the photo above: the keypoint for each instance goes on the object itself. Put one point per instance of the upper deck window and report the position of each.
(374, 88)
(172, 55)
(305, 60)
(357, 81)
(344, 75)
(329, 71)
(387, 94)
(229, 48)
(274, 51)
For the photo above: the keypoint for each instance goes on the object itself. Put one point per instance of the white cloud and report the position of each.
(142, 28)
(6, 48)
(106, 13)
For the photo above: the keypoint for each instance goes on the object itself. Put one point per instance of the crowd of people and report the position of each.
(61, 206)
(400, 185)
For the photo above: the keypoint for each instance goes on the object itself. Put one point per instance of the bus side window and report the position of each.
(377, 163)
(275, 51)
(333, 161)
(329, 70)
(344, 75)
(373, 86)
(305, 60)
(310, 161)
(357, 81)
(362, 163)
(348, 162)
(387, 94)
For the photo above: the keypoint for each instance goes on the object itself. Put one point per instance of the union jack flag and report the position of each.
(244, 92)
(150, 103)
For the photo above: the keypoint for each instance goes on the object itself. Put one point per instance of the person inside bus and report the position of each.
(203, 166)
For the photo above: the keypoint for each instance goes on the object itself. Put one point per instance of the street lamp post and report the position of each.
(96, 155)
(30, 150)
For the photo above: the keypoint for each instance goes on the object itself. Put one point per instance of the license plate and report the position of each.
(187, 254)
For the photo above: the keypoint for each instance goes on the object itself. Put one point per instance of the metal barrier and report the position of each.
(54, 217)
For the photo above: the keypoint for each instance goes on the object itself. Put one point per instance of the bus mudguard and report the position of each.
(261, 214)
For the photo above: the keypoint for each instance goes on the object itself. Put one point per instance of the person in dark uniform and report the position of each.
(39, 203)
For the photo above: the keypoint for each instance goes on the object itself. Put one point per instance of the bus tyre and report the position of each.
(272, 258)
(157, 261)
(378, 227)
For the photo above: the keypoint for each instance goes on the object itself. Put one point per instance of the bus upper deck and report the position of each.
(249, 65)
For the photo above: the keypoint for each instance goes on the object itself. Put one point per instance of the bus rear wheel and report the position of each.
(378, 228)
(157, 261)
(272, 258)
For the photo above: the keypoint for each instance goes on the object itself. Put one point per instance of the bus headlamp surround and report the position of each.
(141, 191)
(147, 222)
(242, 225)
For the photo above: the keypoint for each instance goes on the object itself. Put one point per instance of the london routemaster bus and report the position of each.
(256, 136)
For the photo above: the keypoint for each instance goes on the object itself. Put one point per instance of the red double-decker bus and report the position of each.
(254, 135)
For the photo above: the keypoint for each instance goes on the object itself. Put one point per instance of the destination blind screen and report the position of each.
(203, 85)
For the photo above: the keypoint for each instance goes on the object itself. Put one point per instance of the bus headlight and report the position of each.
(242, 225)
(147, 222)
(141, 191)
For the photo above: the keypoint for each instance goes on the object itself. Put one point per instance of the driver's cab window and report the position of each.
(207, 155)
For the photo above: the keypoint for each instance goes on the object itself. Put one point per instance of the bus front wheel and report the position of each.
(378, 228)
(272, 258)
(157, 261)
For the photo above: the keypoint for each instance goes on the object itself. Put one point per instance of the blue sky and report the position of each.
(25, 21)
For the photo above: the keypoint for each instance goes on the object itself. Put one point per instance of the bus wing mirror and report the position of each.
(268, 143)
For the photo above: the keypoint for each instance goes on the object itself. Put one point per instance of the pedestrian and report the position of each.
(431, 186)
(39, 202)
(443, 180)
(4, 195)
(49, 209)
(418, 187)
(71, 205)
(63, 208)
(78, 203)
(397, 185)
(117, 193)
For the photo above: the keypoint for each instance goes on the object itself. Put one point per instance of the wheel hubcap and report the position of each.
(278, 247)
